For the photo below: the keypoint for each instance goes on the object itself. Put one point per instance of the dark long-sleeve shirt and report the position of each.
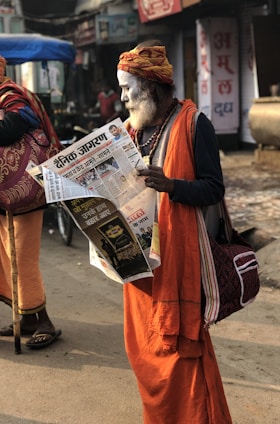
(15, 124)
(208, 187)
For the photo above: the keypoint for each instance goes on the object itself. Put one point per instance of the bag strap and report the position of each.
(220, 208)
(224, 214)
(208, 270)
(208, 273)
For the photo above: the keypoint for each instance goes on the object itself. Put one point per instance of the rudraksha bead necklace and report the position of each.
(154, 139)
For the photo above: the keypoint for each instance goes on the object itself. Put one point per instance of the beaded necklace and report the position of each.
(155, 137)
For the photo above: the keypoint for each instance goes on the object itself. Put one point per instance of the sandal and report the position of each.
(40, 340)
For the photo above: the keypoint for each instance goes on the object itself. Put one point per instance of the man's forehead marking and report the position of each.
(126, 78)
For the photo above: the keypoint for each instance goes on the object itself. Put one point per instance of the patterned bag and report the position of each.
(237, 274)
(19, 192)
(230, 277)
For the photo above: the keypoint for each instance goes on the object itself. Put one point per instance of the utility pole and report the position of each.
(18, 13)
(18, 8)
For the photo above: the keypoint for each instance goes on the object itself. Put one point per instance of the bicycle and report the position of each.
(65, 223)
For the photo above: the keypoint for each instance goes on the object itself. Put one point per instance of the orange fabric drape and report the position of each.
(176, 284)
(167, 346)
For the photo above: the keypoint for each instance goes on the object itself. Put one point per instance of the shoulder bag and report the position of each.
(229, 268)
(19, 192)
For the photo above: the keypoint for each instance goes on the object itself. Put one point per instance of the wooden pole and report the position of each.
(14, 279)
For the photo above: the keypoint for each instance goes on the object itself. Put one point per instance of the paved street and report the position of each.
(85, 377)
(252, 192)
(253, 199)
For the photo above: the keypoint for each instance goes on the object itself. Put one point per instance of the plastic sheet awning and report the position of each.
(20, 48)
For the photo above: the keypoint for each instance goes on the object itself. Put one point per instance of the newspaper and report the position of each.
(96, 179)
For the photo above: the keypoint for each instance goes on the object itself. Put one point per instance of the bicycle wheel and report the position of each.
(65, 224)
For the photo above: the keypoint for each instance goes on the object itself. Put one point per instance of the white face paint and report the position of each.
(142, 109)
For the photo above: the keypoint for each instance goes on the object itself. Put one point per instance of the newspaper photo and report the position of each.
(97, 180)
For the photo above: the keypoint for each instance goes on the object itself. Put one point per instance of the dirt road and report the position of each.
(85, 377)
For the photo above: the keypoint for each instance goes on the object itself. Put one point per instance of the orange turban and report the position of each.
(150, 63)
(2, 68)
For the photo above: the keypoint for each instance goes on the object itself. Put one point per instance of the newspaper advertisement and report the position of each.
(97, 180)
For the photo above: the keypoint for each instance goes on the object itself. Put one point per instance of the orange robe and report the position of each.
(169, 350)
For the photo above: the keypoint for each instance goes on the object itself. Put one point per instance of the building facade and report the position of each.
(221, 58)
(210, 43)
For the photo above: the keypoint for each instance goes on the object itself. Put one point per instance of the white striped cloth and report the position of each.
(208, 271)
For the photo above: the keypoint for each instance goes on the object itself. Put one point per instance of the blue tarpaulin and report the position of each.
(20, 48)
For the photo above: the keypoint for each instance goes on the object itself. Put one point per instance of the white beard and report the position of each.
(143, 112)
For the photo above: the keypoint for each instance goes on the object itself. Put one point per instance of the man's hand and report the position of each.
(156, 179)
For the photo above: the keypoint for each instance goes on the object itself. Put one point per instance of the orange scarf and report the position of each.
(150, 63)
(176, 285)
(177, 282)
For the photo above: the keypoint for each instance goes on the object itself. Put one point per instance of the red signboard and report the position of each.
(150, 10)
